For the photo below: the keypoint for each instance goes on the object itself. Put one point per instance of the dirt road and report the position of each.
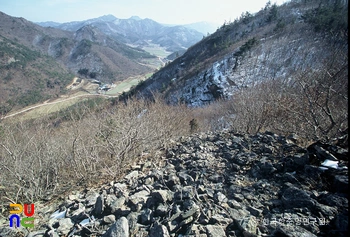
(55, 102)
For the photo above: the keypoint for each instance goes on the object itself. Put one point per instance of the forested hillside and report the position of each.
(287, 66)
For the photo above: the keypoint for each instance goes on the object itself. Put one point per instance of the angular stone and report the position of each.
(267, 168)
(341, 184)
(65, 226)
(238, 197)
(254, 211)
(137, 200)
(289, 177)
(90, 198)
(218, 201)
(132, 175)
(72, 197)
(197, 230)
(340, 225)
(324, 154)
(159, 230)
(216, 178)
(292, 231)
(161, 210)
(52, 233)
(215, 231)
(109, 219)
(201, 189)
(243, 159)
(220, 197)
(184, 193)
(99, 206)
(146, 216)
(205, 216)
(193, 211)
(237, 213)
(149, 181)
(121, 189)
(333, 200)
(294, 198)
(326, 210)
(293, 137)
(12, 232)
(185, 178)
(234, 204)
(132, 220)
(117, 204)
(162, 196)
(220, 219)
(248, 224)
(172, 181)
(118, 229)
(75, 211)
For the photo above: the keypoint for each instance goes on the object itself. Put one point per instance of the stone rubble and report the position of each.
(215, 184)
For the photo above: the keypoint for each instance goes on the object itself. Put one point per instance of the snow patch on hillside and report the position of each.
(277, 59)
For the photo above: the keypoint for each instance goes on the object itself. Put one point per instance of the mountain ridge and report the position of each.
(88, 49)
(134, 30)
(275, 42)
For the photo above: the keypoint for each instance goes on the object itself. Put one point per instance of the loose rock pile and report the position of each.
(222, 184)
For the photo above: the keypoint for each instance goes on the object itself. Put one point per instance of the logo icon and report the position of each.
(28, 210)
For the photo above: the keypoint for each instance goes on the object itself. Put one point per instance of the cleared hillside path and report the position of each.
(56, 102)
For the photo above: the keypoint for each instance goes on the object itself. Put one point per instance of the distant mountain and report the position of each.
(75, 25)
(203, 27)
(137, 31)
(38, 62)
(49, 24)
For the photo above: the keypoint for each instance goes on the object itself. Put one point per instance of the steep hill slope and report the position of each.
(27, 76)
(278, 42)
(78, 50)
(39, 62)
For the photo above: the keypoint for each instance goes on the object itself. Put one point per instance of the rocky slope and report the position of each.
(276, 43)
(214, 184)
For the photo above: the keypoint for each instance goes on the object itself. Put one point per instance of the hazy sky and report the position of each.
(163, 11)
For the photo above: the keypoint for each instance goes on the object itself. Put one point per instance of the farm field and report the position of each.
(125, 85)
(84, 89)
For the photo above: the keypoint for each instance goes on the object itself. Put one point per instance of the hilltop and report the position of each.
(138, 32)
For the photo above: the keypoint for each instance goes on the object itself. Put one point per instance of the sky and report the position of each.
(162, 11)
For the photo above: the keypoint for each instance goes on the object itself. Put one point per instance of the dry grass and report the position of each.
(125, 85)
(39, 158)
(314, 105)
(48, 107)
(92, 143)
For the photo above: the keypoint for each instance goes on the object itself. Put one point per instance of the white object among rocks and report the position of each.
(57, 214)
(330, 164)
